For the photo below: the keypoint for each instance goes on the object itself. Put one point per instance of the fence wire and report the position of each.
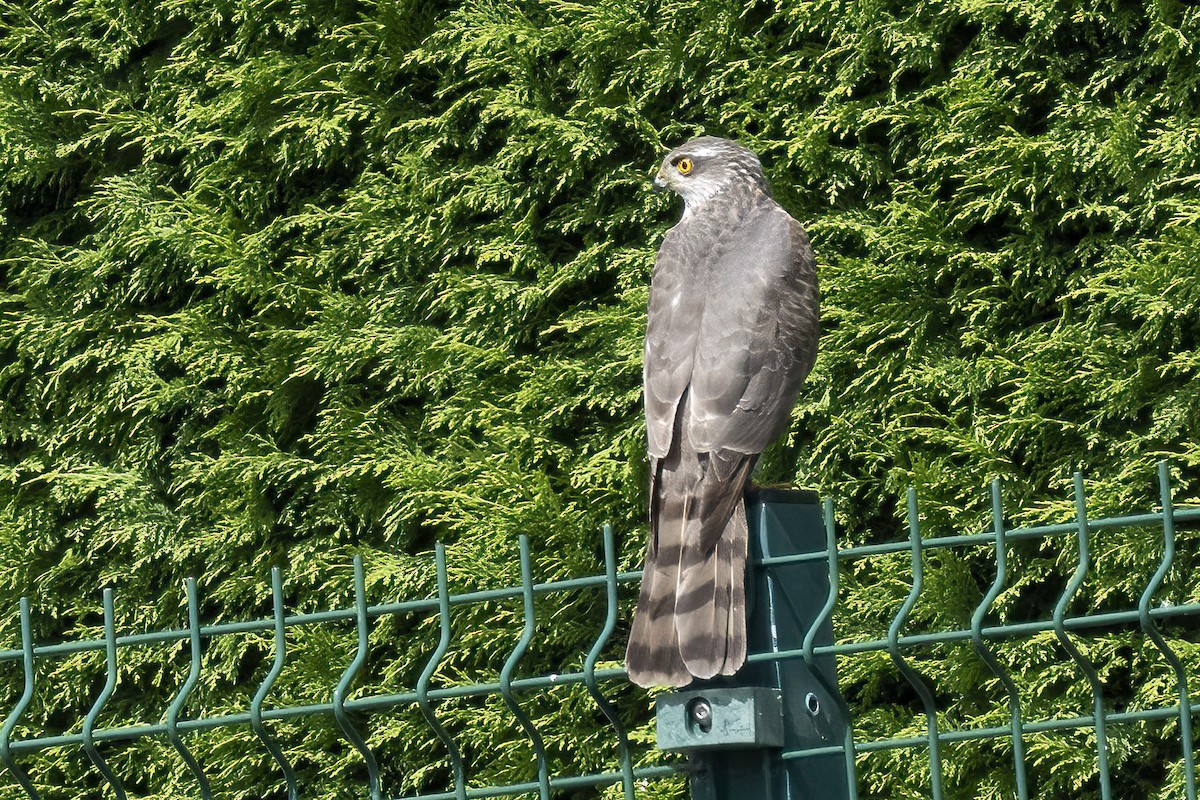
(982, 637)
(174, 727)
(897, 642)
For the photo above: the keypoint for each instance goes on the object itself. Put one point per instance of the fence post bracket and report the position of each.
(738, 717)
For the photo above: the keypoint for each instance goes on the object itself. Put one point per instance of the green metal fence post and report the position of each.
(788, 603)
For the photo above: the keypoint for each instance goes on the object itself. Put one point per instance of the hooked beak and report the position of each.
(659, 184)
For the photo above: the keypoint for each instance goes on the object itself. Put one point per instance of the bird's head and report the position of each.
(708, 166)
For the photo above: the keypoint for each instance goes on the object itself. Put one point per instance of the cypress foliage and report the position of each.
(284, 282)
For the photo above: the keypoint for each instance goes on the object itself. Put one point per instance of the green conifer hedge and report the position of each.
(287, 281)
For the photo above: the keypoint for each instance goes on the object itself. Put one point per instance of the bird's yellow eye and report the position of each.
(684, 166)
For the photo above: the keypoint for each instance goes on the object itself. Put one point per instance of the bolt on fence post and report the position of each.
(738, 729)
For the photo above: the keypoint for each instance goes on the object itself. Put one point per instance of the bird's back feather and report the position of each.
(731, 335)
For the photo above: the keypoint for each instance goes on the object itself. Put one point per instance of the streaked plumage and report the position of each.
(731, 335)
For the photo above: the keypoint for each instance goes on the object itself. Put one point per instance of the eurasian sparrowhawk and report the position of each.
(731, 336)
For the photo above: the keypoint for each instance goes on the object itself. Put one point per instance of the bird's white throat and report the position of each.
(699, 193)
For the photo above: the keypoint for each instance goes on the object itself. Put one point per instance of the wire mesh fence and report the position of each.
(905, 647)
(345, 710)
(1110, 707)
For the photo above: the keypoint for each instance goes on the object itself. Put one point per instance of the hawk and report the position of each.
(731, 335)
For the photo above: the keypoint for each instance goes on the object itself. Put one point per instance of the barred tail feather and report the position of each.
(737, 533)
(652, 657)
(691, 614)
(702, 612)
(710, 609)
